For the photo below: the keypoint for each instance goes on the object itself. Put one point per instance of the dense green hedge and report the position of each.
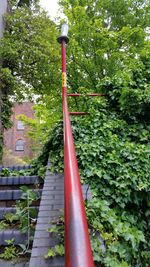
(114, 160)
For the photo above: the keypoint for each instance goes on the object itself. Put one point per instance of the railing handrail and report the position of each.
(77, 242)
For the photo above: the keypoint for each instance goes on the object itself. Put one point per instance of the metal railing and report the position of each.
(77, 242)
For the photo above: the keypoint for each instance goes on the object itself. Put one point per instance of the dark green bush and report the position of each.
(114, 159)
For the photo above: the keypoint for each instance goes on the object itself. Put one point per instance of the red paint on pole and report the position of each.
(78, 113)
(77, 242)
(93, 94)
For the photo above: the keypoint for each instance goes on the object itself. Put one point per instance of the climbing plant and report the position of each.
(114, 159)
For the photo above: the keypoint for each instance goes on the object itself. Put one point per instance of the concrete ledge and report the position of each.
(15, 194)
(38, 261)
(52, 201)
(5, 210)
(19, 238)
(19, 180)
(15, 263)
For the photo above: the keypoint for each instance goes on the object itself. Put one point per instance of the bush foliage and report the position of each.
(114, 159)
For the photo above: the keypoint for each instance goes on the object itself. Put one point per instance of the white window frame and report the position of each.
(20, 145)
(20, 125)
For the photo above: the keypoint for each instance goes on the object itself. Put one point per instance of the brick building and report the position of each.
(16, 140)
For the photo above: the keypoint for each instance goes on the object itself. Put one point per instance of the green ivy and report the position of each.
(114, 159)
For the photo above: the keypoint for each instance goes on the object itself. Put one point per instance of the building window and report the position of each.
(20, 145)
(20, 125)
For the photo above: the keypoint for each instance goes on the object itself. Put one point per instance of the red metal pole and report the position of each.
(79, 113)
(64, 81)
(94, 94)
(77, 242)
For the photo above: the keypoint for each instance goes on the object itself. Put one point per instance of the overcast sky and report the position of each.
(51, 6)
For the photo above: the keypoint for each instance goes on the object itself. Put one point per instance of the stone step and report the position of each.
(19, 238)
(5, 210)
(21, 262)
(16, 168)
(19, 180)
(11, 203)
(15, 194)
(18, 187)
(10, 192)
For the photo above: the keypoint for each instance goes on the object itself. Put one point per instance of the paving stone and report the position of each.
(37, 261)
(19, 263)
(48, 187)
(57, 261)
(47, 192)
(57, 183)
(47, 207)
(39, 252)
(48, 197)
(51, 193)
(58, 180)
(43, 213)
(58, 206)
(42, 226)
(41, 234)
(49, 182)
(59, 187)
(45, 242)
(54, 213)
(54, 201)
(43, 220)
(59, 197)
(46, 203)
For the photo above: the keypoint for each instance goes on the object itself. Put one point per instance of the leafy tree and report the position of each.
(109, 51)
(30, 57)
